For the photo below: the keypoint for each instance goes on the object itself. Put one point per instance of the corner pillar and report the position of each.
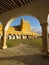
(3, 40)
(44, 38)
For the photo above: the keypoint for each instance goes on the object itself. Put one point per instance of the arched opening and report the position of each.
(26, 29)
(14, 36)
(9, 36)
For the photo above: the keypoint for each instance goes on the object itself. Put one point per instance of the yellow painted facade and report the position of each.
(24, 28)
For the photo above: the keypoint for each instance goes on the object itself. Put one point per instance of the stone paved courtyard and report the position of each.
(22, 54)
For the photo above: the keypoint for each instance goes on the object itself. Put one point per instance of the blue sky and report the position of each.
(34, 22)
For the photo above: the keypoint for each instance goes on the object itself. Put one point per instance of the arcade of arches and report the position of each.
(36, 8)
(21, 31)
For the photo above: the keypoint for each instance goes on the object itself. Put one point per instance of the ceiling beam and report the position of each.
(23, 2)
(18, 1)
(15, 3)
(6, 5)
(10, 3)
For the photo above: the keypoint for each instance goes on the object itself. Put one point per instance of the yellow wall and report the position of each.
(23, 28)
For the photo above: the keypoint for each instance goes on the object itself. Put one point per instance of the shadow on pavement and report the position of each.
(36, 59)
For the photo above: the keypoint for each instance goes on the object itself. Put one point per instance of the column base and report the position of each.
(44, 53)
(48, 50)
(4, 47)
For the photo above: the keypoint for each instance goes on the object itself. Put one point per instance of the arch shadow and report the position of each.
(36, 59)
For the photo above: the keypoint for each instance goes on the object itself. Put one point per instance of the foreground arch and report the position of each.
(36, 9)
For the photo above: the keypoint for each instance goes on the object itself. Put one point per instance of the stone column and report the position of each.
(3, 40)
(44, 38)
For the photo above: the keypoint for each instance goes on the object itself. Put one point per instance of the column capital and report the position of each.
(44, 24)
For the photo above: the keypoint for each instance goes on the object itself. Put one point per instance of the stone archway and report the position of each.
(34, 9)
(10, 21)
(44, 29)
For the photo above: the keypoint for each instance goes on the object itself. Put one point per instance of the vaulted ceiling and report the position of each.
(6, 5)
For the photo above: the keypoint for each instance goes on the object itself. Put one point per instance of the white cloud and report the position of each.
(38, 30)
